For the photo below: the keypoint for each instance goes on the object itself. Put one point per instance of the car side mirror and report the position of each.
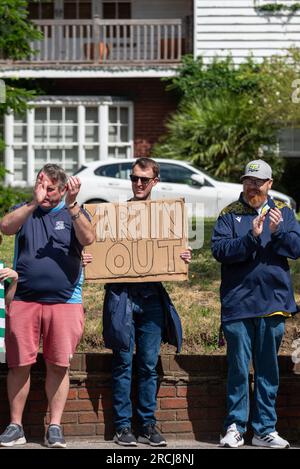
(198, 180)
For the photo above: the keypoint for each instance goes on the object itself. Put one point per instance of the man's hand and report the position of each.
(73, 189)
(87, 258)
(187, 255)
(40, 189)
(275, 219)
(258, 225)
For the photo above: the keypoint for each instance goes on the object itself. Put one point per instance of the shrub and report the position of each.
(229, 114)
(11, 196)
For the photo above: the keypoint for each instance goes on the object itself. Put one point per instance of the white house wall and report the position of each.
(224, 27)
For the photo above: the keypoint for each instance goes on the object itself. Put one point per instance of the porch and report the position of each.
(97, 41)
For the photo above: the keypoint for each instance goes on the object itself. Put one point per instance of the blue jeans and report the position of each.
(146, 332)
(258, 340)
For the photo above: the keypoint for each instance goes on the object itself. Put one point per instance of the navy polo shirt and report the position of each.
(48, 258)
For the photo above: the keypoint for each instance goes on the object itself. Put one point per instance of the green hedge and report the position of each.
(10, 196)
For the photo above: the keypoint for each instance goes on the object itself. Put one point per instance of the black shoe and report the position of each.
(151, 436)
(54, 437)
(125, 437)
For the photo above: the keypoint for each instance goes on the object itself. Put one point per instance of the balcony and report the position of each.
(103, 42)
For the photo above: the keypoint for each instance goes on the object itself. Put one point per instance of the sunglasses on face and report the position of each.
(144, 180)
(255, 182)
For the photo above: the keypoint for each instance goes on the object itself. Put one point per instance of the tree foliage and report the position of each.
(218, 134)
(230, 114)
(10, 196)
(16, 34)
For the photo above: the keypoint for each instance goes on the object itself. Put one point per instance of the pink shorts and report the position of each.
(60, 325)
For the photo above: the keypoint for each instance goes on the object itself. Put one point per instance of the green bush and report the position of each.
(229, 114)
(219, 134)
(10, 196)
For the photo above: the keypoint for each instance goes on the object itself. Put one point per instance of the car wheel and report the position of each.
(95, 201)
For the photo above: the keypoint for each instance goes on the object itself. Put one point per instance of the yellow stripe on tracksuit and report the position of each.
(277, 313)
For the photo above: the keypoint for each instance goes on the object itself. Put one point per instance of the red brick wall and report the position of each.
(152, 104)
(191, 398)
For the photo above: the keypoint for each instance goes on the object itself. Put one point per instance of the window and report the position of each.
(116, 10)
(118, 120)
(56, 136)
(175, 174)
(68, 133)
(119, 171)
(48, 9)
(41, 10)
(77, 9)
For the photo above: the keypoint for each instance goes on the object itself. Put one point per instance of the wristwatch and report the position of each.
(74, 217)
(73, 205)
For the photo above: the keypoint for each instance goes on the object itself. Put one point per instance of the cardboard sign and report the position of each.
(138, 241)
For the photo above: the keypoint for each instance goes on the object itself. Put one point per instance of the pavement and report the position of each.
(99, 444)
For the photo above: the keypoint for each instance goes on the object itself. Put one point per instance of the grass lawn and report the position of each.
(197, 302)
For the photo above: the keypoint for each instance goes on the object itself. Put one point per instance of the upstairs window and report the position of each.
(116, 10)
(41, 10)
(77, 9)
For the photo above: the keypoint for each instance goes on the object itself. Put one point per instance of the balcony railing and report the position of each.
(100, 41)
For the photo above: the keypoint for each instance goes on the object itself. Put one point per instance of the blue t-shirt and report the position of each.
(48, 258)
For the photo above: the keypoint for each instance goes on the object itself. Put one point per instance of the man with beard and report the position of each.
(253, 239)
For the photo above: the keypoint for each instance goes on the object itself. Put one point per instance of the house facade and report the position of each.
(241, 27)
(99, 69)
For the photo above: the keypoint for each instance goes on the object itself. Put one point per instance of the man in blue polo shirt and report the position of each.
(50, 235)
(253, 239)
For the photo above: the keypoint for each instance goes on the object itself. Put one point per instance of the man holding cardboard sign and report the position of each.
(141, 314)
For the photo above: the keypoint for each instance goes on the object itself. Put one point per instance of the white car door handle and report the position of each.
(113, 183)
(163, 188)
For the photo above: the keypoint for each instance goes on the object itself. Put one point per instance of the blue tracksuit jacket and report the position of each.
(255, 275)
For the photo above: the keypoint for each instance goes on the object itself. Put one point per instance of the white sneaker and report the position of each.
(233, 438)
(272, 440)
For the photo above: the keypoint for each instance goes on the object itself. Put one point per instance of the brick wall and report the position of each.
(152, 104)
(191, 398)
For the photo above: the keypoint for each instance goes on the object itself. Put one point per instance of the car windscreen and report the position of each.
(79, 170)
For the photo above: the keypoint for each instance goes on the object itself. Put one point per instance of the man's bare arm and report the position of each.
(12, 222)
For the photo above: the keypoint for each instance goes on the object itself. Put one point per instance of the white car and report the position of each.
(108, 181)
